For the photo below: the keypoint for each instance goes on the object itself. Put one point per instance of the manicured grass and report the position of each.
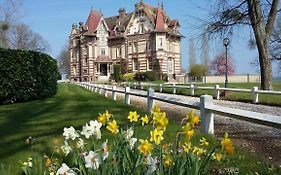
(267, 99)
(74, 106)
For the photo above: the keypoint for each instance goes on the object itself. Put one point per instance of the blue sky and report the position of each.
(52, 19)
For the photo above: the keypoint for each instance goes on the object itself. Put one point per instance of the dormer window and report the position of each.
(141, 28)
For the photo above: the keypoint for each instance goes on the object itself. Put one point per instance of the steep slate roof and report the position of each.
(113, 21)
(160, 24)
(93, 20)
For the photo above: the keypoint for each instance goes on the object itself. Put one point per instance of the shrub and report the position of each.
(26, 75)
(128, 76)
(146, 76)
(116, 72)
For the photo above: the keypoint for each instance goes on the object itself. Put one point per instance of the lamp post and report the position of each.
(80, 37)
(226, 42)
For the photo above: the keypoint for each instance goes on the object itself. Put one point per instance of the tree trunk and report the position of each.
(262, 33)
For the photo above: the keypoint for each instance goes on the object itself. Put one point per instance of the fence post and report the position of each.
(174, 88)
(217, 89)
(100, 90)
(105, 91)
(192, 90)
(160, 88)
(207, 118)
(114, 93)
(96, 88)
(255, 94)
(127, 95)
(150, 102)
(149, 85)
(92, 87)
(141, 86)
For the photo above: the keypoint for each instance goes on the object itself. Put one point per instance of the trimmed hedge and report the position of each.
(26, 75)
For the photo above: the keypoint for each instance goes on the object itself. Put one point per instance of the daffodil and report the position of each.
(187, 147)
(155, 109)
(144, 120)
(65, 170)
(104, 148)
(103, 118)
(152, 164)
(113, 127)
(198, 151)
(80, 143)
(66, 149)
(129, 137)
(192, 118)
(168, 161)
(217, 156)
(70, 133)
(227, 144)
(203, 142)
(156, 136)
(92, 160)
(48, 162)
(133, 116)
(145, 147)
(188, 130)
(160, 120)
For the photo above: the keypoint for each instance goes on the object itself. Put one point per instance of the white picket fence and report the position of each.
(254, 91)
(205, 105)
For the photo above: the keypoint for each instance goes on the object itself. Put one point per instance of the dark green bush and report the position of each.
(117, 72)
(26, 75)
(146, 76)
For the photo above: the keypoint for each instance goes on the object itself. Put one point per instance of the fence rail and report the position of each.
(205, 105)
(254, 91)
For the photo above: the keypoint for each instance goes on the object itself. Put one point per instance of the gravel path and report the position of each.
(262, 140)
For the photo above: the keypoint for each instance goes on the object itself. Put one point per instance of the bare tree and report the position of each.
(260, 15)
(192, 54)
(275, 43)
(22, 37)
(64, 61)
(205, 52)
(10, 12)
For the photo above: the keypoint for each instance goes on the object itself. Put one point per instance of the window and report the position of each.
(141, 28)
(136, 65)
(74, 70)
(161, 42)
(148, 46)
(149, 63)
(170, 65)
(135, 47)
(118, 52)
(102, 51)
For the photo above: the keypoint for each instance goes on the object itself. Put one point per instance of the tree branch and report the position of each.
(271, 18)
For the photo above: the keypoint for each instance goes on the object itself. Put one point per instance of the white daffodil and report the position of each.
(80, 143)
(66, 149)
(152, 164)
(65, 170)
(95, 128)
(92, 160)
(86, 131)
(70, 133)
(129, 133)
(104, 148)
(132, 142)
(129, 137)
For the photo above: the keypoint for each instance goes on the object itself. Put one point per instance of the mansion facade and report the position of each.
(143, 40)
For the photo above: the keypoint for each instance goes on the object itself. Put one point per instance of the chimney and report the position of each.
(122, 12)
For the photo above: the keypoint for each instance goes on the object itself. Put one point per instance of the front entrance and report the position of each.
(103, 69)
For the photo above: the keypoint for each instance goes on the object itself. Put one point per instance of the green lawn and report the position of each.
(74, 106)
(267, 99)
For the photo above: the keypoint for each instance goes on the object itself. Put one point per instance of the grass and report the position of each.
(267, 99)
(45, 119)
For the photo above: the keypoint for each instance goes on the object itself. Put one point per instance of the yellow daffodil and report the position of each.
(103, 118)
(188, 130)
(48, 162)
(217, 156)
(198, 151)
(187, 147)
(160, 120)
(144, 120)
(113, 127)
(168, 161)
(203, 142)
(133, 116)
(192, 118)
(227, 144)
(156, 136)
(155, 109)
(145, 147)
(196, 120)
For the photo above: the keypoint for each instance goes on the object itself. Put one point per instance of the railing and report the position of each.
(254, 91)
(205, 105)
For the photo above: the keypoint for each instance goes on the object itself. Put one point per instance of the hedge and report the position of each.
(26, 75)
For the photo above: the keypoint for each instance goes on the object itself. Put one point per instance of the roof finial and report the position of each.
(141, 1)
(162, 5)
(158, 3)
